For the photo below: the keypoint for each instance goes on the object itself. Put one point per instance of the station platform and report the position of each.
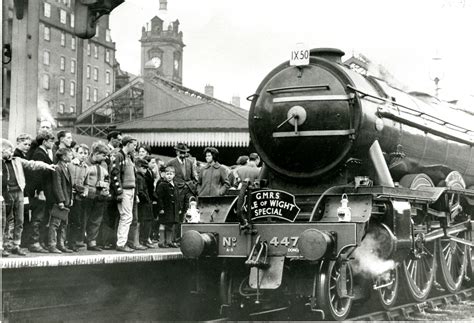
(85, 257)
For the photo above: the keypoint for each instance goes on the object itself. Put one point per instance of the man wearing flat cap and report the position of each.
(185, 177)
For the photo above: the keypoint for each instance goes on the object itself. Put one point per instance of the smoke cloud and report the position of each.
(368, 260)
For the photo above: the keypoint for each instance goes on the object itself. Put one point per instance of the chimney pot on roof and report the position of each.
(209, 90)
(236, 100)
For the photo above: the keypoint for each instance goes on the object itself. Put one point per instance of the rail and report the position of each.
(430, 309)
(418, 311)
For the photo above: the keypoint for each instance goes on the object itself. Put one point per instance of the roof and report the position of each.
(189, 96)
(201, 119)
(206, 116)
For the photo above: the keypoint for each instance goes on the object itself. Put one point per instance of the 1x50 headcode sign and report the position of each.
(299, 55)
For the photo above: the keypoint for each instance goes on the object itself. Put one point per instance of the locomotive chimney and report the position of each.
(331, 54)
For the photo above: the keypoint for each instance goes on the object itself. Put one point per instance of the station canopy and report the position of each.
(161, 113)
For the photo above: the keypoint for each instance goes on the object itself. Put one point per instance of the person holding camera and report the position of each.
(97, 194)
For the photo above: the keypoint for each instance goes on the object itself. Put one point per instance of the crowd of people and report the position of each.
(59, 196)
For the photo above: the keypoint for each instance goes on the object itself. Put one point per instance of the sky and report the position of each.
(234, 44)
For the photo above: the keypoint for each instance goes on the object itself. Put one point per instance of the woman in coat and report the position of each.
(213, 178)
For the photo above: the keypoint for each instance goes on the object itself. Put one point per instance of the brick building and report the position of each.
(72, 74)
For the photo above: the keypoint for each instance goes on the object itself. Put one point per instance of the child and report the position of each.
(79, 171)
(13, 184)
(62, 199)
(98, 194)
(151, 177)
(168, 208)
(145, 211)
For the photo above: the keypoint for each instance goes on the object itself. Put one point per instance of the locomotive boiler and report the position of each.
(365, 192)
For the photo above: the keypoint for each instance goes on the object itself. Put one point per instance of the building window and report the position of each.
(88, 71)
(96, 51)
(62, 16)
(107, 94)
(61, 86)
(62, 63)
(107, 77)
(107, 55)
(88, 93)
(46, 57)
(95, 95)
(46, 81)
(47, 10)
(63, 38)
(97, 31)
(72, 20)
(96, 74)
(89, 49)
(47, 33)
(107, 35)
(73, 66)
(72, 109)
(73, 42)
(72, 89)
(61, 108)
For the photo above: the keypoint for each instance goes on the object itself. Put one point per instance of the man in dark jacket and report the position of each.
(39, 190)
(185, 177)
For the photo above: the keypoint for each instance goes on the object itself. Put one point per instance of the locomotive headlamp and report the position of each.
(314, 244)
(195, 244)
(344, 211)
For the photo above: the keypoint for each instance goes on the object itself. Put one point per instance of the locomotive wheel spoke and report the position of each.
(452, 263)
(418, 275)
(387, 296)
(428, 252)
(330, 302)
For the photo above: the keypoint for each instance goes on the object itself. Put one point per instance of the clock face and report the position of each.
(156, 61)
(176, 64)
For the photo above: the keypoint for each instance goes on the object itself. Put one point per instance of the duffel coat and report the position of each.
(167, 195)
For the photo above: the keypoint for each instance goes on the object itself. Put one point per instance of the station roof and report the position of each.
(200, 120)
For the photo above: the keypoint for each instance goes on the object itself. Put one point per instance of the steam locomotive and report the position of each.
(366, 192)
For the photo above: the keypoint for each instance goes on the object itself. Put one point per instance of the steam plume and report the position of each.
(44, 112)
(368, 260)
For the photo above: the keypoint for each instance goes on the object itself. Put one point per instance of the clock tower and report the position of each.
(162, 47)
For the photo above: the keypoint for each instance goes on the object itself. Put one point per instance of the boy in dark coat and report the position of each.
(168, 208)
(62, 199)
(145, 211)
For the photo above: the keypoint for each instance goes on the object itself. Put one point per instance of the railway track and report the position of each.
(452, 307)
(436, 308)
